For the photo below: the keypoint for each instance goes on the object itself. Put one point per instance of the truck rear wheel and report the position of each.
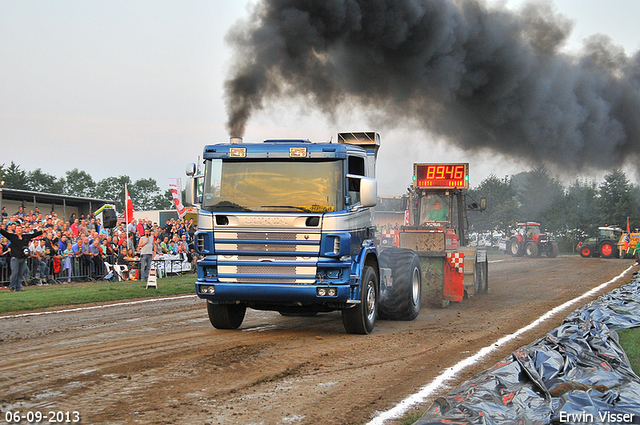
(515, 247)
(226, 316)
(607, 249)
(552, 249)
(361, 318)
(402, 300)
(531, 249)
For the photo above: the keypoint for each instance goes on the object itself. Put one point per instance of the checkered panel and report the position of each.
(456, 259)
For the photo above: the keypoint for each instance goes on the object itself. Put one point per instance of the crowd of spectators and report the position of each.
(77, 248)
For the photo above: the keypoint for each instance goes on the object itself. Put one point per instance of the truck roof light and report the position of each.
(297, 152)
(238, 152)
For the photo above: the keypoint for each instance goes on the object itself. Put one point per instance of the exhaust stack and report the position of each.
(235, 140)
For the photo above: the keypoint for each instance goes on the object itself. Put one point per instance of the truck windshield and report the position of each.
(276, 185)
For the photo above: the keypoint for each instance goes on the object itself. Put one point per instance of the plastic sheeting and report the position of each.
(577, 374)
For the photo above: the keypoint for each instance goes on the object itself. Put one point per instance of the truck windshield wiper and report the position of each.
(226, 205)
(286, 206)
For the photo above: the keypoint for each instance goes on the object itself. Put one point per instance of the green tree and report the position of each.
(112, 189)
(581, 206)
(538, 192)
(164, 201)
(615, 201)
(502, 208)
(143, 193)
(79, 183)
(14, 177)
(42, 182)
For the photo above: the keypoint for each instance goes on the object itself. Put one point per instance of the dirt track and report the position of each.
(162, 362)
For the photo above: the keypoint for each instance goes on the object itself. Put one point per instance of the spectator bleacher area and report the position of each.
(79, 249)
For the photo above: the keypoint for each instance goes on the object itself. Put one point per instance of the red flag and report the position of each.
(628, 229)
(128, 213)
(627, 237)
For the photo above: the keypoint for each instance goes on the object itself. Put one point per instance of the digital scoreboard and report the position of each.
(441, 176)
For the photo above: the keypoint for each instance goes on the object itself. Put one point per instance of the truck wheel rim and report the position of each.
(416, 286)
(371, 302)
(606, 249)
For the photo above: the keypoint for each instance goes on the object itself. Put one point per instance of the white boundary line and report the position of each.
(95, 307)
(451, 372)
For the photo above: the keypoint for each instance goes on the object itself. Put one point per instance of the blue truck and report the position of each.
(287, 225)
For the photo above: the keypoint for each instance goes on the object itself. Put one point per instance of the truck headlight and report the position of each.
(208, 289)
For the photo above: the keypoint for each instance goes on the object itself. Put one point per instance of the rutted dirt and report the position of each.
(163, 363)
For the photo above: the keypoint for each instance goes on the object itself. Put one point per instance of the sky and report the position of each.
(136, 88)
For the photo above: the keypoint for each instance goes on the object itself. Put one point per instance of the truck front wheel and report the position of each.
(361, 318)
(226, 316)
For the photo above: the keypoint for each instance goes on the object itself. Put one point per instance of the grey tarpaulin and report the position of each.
(577, 374)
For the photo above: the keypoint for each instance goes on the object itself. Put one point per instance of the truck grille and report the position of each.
(267, 257)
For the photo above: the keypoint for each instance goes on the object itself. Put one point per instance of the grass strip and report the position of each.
(630, 341)
(47, 296)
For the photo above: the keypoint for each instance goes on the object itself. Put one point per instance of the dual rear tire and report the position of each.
(402, 299)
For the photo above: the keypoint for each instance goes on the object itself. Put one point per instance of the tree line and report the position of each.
(145, 193)
(569, 212)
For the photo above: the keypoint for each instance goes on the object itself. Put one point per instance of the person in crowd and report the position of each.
(191, 229)
(101, 229)
(69, 258)
(109, 246)
(5, 258)
(146, 253)
(62, 243)
(19, 253)
(131, 260)
(83, 229)
(91, 225)
(86, 259)
(131, 241)
(98, 256)
(79, 257)
(74, 227)
(4, 213)
(140, 229)
(182, 243)
(164, 245)
(39, 255)
(54, 259)
(157, 249)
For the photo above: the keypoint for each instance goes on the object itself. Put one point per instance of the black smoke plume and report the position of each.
(478, 76)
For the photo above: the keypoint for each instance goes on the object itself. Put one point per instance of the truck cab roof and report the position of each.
(282, 149)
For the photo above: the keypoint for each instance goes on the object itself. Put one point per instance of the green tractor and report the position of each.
(605, 244)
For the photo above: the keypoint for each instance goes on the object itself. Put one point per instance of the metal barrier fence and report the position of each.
(84, 269)
(58, 270)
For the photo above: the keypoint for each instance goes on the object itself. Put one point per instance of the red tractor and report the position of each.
(529, 241)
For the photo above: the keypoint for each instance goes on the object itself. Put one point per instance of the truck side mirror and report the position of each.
(368, 192)
(191, 169)
(483, 203)
(191, 192)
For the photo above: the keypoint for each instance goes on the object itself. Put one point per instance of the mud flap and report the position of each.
(453, 289)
